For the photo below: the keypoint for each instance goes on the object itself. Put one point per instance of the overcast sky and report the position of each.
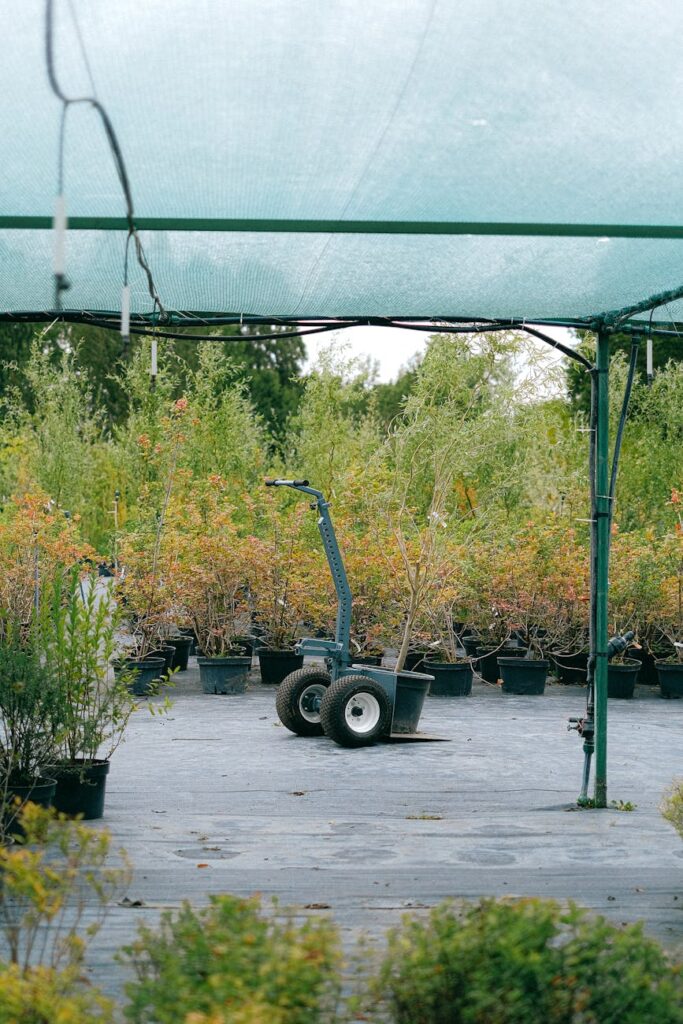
(392, 347)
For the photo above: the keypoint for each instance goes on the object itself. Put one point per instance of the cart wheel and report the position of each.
(355, 711)
(298, 698)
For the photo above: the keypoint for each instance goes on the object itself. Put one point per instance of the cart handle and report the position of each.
(286, 483)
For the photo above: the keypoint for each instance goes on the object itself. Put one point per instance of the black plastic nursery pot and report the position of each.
(488, 660)
(245, 645)
(670, 678)
(39, 791)
(470, 644)
(146, 672)
(572, 669)
(182, 645)
(523, 676)
(649, 662)
(415, 660)
(621, 679)
(368, 659)
(167, 652)
(275, 665)
(188, 631)
(411, 690)
(451, 679)
(80, 788)
(224, 675)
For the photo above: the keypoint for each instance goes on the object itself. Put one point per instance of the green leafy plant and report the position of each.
(49, 880)
(213, 566)
(41, 995)
(531, 961)
(77, 626)
(29, 710)
(672, 807)
(229, 963)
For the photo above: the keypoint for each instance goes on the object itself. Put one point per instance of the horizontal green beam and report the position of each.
(353, 227)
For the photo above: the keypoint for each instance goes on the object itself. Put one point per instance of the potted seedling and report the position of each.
(77, 627)
(29, 708)
(447, 661)
(212, 584)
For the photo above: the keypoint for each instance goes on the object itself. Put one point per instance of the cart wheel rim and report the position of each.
(362, 713)
(309, 702)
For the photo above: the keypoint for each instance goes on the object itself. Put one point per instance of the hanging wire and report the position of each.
(112, 139)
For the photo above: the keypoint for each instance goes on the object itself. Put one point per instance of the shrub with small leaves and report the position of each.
(227, 963)
(41, 995)
(672, 808)
(528, 962)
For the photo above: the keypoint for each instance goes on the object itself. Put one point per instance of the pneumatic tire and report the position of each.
(355, 711)
(298, 698)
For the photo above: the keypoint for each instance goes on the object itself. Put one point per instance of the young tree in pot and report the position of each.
(29, 709)
(211, 585)
(77, 628)
(635, 595)
(447, 661)
(529, 580)
(479, 603)
(146, 551)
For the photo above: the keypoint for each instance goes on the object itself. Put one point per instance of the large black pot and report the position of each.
(523, 676)
(451, 679)
(182, 645)
(39, 791)
(621, 679)
(470, 644)
(670, 678)
(80, 788)
(224, 675)
(188, 631)
(367, 659)
(414, 660)
(146, 674)
(487, 663)
(245, 645)
(411, 690)
(275, 665)
(649, 661)
(572, 669)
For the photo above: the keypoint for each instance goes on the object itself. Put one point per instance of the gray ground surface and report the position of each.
(218, 797)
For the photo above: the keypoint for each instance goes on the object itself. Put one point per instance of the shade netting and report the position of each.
(323, 158)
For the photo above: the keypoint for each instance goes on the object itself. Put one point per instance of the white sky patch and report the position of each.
(392, 347)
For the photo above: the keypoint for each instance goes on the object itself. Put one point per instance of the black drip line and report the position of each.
(114, 146)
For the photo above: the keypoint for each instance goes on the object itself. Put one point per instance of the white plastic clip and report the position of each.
(59, 224)
(125, 313)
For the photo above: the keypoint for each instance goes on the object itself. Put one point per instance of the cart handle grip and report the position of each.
(286, 483)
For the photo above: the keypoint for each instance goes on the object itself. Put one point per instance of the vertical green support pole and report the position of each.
(602, 512)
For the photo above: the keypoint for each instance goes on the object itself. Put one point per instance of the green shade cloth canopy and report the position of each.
(337, 158)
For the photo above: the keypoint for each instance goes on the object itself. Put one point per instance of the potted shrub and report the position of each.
(211, 586)
(28, 711)
(77, 630)
(530, 582)
(447, 661)
(479, 600)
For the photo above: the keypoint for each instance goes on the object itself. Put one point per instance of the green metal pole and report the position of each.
(602, 512)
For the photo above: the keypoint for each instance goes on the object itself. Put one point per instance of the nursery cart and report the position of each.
(352, 704)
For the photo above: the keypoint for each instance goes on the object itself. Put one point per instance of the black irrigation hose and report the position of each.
(622, 423)
(114, 145)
